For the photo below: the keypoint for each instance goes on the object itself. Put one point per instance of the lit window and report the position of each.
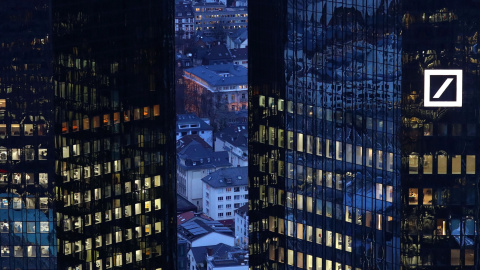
(442, 164)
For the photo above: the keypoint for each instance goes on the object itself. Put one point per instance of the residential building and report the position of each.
(200, 232)
(325, 190)
(184, 20)
(182, 254)
(216, 55)
(238, 39)
(194, 162)
(234, 140)
(240, 56)
(190, 124)
(224, 191)
(215, 90)
(241, 227)
(183, 205)
(217, 257)
(215, 19)
(186, 216)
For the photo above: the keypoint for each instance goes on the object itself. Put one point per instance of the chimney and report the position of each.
(209, 251)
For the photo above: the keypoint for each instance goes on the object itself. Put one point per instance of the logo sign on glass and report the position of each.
(443, 88)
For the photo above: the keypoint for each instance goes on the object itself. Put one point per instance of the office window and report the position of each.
(456, 164)
(455, 257)
(470, 160)
(318, 233)
(442, 164)
(413, 164)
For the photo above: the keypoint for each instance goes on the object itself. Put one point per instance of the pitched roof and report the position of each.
(239, 36)
(183, 205)
(221, 254)
(218, 52)
(198, 227)
(197, 156)
(240, 53)
(243, 210)
(187, 139)
(190, 121)
(184, 217)
(236, 135)
(227, 177)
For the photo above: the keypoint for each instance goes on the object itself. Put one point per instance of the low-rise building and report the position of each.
(194, 162)
(224, 191)
(238, 39)
(190, 124)
(200, 232)
(234, 140)
(211, 91)
(240, 56)
(217, 257)
(241, 227)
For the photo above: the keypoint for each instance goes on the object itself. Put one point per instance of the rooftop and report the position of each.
(198, 227)
(235, 135)
(184, 217)
(219, 75)
(220, 254)
(197, 156)
(242, 211)
(183, 205)
(227, 177)
(186, 122)
(187, 139)
(241, 53)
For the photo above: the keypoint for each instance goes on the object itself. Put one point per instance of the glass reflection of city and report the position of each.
(86, 152)
(348, 169)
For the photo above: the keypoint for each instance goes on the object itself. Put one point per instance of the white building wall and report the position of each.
(241, 231)
(214, 202)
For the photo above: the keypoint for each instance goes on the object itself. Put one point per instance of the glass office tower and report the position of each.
(27, 154)
(439, 144)
(325, 89)
(115, 167)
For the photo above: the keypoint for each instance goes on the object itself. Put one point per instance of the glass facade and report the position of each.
(439, 144)
(27, 154)
(87, 163)
(324, 117)
(114, 127)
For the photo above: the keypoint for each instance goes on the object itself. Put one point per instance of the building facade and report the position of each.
(115, 130)
(215, 19)
(184, 20)
(363, 145)
(27, 150)
(214, 91)
(194, 162)
(241, 227)
(224, 191)
(439, 144)
(324, 154)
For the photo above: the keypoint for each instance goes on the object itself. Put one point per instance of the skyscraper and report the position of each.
(363, 144)
(27, 153)
(439, 144)
(325, 170)
(87, 126)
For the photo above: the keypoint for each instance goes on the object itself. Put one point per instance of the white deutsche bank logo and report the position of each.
(443, 88)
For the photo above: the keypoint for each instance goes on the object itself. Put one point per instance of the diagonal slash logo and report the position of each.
(443, 88)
